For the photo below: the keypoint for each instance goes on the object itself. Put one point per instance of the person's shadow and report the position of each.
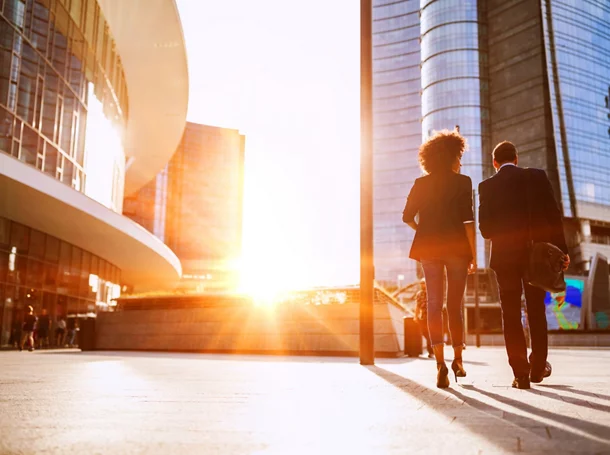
(571, 389)
(583, 436)
(572, 400)
(586, 426)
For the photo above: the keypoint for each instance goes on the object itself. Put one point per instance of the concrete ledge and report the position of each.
(245, 328)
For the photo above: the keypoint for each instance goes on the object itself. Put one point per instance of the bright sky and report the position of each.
(286, 74)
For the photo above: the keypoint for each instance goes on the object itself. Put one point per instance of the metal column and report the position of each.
(367, 271)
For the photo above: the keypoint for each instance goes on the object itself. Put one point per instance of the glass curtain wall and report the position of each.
(454, 80)
(396, 134)
(577, 42)
(42, 271)
(50, 51)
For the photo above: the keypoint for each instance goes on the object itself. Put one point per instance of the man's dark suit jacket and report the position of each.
(503, 215)
(444, 203)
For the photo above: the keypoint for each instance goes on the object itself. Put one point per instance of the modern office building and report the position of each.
(195, 206)
(93, 98)
(535, 72)
(397, 132)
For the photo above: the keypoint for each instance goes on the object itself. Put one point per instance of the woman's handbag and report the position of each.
(545, 261)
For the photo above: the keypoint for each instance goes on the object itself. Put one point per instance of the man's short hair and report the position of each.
(505, 152)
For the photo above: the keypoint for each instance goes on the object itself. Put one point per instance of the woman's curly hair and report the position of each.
(438, 152)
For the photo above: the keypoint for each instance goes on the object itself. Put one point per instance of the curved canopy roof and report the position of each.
(149, 40)
(37, 200)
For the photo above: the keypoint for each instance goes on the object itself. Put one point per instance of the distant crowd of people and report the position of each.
(36, 332)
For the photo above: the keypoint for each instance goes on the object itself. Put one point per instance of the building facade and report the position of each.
(74, 115)
(195, 206)
(533, 72)
(397, 132)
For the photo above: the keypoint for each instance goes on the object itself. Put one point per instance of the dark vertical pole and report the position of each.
(367, 271)
(477, 310)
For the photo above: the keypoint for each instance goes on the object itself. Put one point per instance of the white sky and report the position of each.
(286, 74)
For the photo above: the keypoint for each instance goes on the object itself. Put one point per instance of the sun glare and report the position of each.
(266, 280)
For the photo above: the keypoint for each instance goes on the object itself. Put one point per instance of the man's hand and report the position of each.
(566, 262)
(472, 267)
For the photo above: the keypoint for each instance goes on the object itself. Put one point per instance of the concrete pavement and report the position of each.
(68, 402)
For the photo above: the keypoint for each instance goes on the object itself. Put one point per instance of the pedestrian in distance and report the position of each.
(42, 330)
(518, 207)
(60, 332)
(421, 315)
(444, 240)
(27, 332)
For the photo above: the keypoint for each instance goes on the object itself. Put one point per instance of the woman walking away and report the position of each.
(444, 240)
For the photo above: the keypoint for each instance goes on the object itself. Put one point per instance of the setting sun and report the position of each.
(298, 108)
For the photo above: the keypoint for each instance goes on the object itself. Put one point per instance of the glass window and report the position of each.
(29, 146)
(94, 265)
(50, 277)
(62, 305)
(74, 309)
(60, 53)
(68, 174)
(17, 265)
(52, 249)
(85, 289)
(20, 238)
(49, 110)
(50, 160)
(37, 244)
(4, 263)
(5, 234)
(6, 130)
(65, 255)
(27, 83)
(15, 12)
(49, 303)
(40, 26)
(66, 122)
(35, 271)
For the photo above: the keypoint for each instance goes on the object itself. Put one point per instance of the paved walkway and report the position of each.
(67, 402)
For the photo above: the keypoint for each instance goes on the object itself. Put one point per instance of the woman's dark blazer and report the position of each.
(443, 202)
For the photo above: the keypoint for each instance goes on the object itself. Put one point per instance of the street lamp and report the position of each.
(367, 271)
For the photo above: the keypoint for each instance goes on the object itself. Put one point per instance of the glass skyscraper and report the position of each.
(536, 73)
(397, 131)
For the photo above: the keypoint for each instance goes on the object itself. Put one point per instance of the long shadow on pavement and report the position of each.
(571, 400)
(571, 389)
(586, 426)
(430, 398)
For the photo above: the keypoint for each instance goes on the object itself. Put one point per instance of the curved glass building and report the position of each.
(397, 132)
(92, 105)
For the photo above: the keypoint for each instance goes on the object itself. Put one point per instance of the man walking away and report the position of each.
(29, 324)
(516, 204)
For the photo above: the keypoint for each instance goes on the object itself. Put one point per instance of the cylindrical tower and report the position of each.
(454, 79)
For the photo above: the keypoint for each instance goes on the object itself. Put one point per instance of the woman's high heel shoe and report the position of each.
(442, 377)
(458, 369)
